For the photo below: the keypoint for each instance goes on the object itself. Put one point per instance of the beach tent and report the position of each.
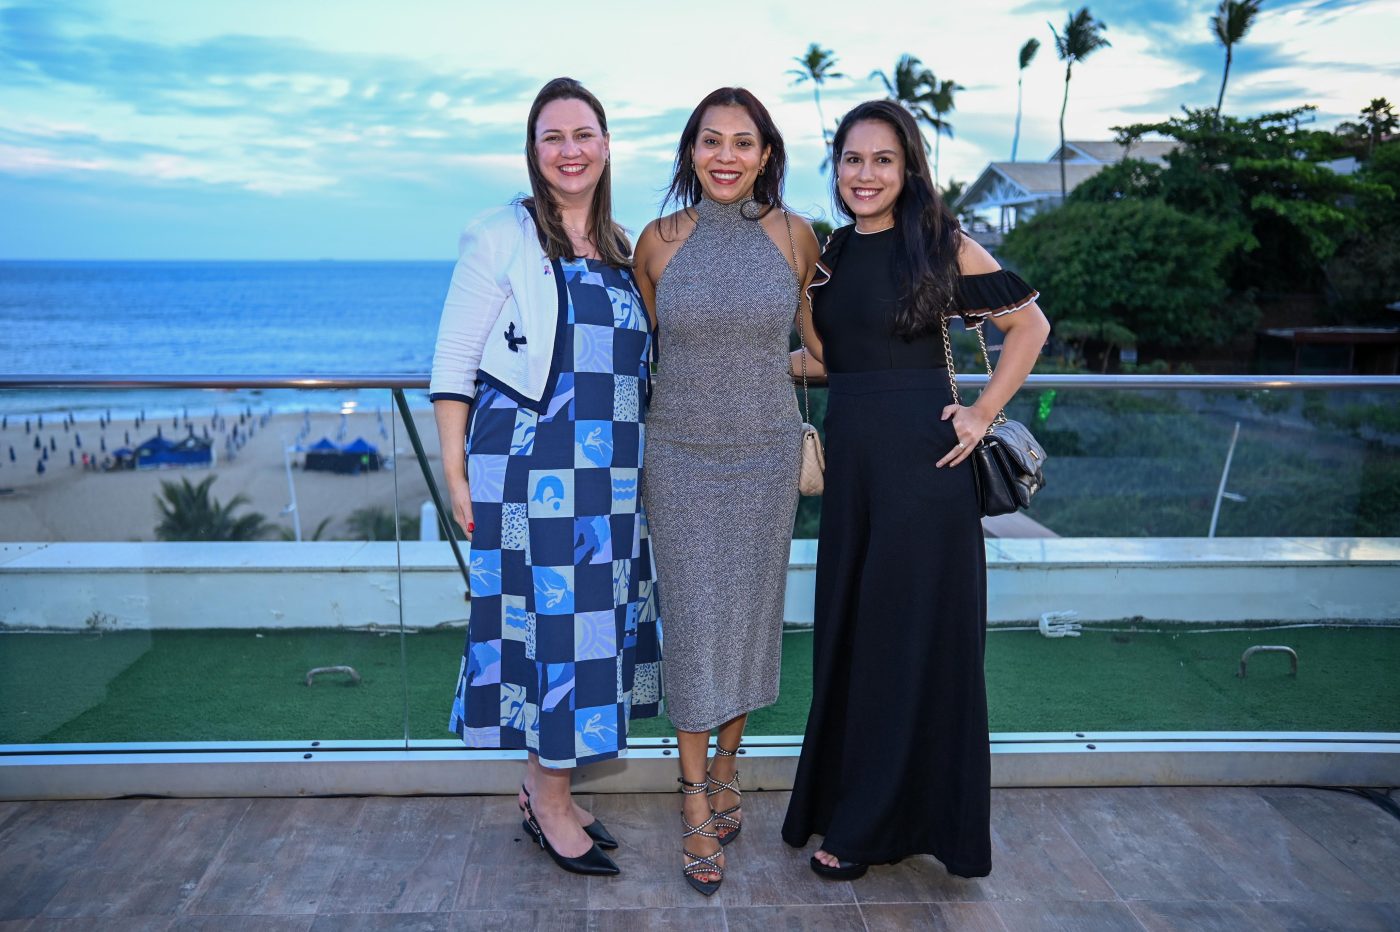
(159, 453)
(365, 453)
(325, 456)
(124, 458)
(351, 459)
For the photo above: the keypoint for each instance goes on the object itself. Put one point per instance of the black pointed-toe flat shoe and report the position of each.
(846, 870)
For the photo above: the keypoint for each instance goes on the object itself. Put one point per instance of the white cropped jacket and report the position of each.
(501, 319)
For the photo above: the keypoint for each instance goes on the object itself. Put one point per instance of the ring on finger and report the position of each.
(961, 445)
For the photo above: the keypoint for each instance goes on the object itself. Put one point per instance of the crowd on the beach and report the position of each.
(235, 435)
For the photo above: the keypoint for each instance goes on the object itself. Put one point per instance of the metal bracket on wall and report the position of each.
(1269, 649)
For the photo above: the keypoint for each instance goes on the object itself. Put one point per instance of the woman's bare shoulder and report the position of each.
(973, 259)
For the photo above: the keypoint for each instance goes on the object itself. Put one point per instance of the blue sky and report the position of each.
(294, 129)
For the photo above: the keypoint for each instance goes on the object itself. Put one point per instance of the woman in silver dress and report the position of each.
(723, 444)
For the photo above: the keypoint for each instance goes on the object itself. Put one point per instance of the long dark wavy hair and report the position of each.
(685, 184)
(608, 238)
(926, 232)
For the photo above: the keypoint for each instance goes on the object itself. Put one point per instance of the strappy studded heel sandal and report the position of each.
(714, 788)
(697, 864)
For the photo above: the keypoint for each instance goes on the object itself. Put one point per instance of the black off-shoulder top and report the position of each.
(854, 309)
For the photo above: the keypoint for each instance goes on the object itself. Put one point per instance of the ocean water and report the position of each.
(213, 318)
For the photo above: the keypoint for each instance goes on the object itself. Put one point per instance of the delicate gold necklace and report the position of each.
(589, 249)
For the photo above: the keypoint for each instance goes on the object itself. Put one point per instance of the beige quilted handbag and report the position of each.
(811, 478)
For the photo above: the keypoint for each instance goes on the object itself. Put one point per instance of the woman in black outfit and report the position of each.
(896, 759)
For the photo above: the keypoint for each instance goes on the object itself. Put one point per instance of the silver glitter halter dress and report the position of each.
(722, 456)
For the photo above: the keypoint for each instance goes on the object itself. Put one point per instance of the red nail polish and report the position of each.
(471, 527)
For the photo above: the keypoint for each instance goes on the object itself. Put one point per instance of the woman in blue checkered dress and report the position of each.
(563, 647)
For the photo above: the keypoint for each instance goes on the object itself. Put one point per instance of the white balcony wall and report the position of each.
(114, 586)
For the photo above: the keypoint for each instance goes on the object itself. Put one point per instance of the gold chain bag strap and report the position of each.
(1008, 464)
(811, 479)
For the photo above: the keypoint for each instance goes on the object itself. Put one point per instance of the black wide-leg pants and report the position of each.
(896, 759)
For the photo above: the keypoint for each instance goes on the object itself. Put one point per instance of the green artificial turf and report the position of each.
(249, 686)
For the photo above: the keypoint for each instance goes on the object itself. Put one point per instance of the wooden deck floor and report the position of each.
(1113, 858)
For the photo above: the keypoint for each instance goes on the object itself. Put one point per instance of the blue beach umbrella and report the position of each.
(72, 458)
(12, 454)
(78, 440)
(53, 444)
(102, 444)
(38, 444)
(40, 468)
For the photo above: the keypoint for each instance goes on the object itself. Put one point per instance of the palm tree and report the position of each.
(286, 533)
(941, 100)
(1378, 120)
(1081, 39)
(914, 87)
(374, 522)
(910, 87)
(189, 512)
(817, 66)
(1231, 21)
(1027, 56)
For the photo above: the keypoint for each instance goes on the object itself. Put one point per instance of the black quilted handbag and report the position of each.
(1008, 464)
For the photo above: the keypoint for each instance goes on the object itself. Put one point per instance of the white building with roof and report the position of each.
(1009, 192)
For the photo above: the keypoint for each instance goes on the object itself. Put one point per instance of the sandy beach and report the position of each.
(69, 503)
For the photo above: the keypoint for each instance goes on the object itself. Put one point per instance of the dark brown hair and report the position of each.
(768, 189)
(927, 235)
(608, 238)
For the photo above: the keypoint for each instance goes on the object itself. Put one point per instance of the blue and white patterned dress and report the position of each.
(563, 646)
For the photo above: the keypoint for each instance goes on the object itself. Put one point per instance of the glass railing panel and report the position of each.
(113, 635)
(154, 587)
(1142, 463)
(435, 607)
(1301, 493)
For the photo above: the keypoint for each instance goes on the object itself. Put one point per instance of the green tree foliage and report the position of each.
(1365, 273)
(190, 512)
(287, 533)
(377, 523)
(1141, 264)
(1261, 178)
(1378, 120)
(1130, 178)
